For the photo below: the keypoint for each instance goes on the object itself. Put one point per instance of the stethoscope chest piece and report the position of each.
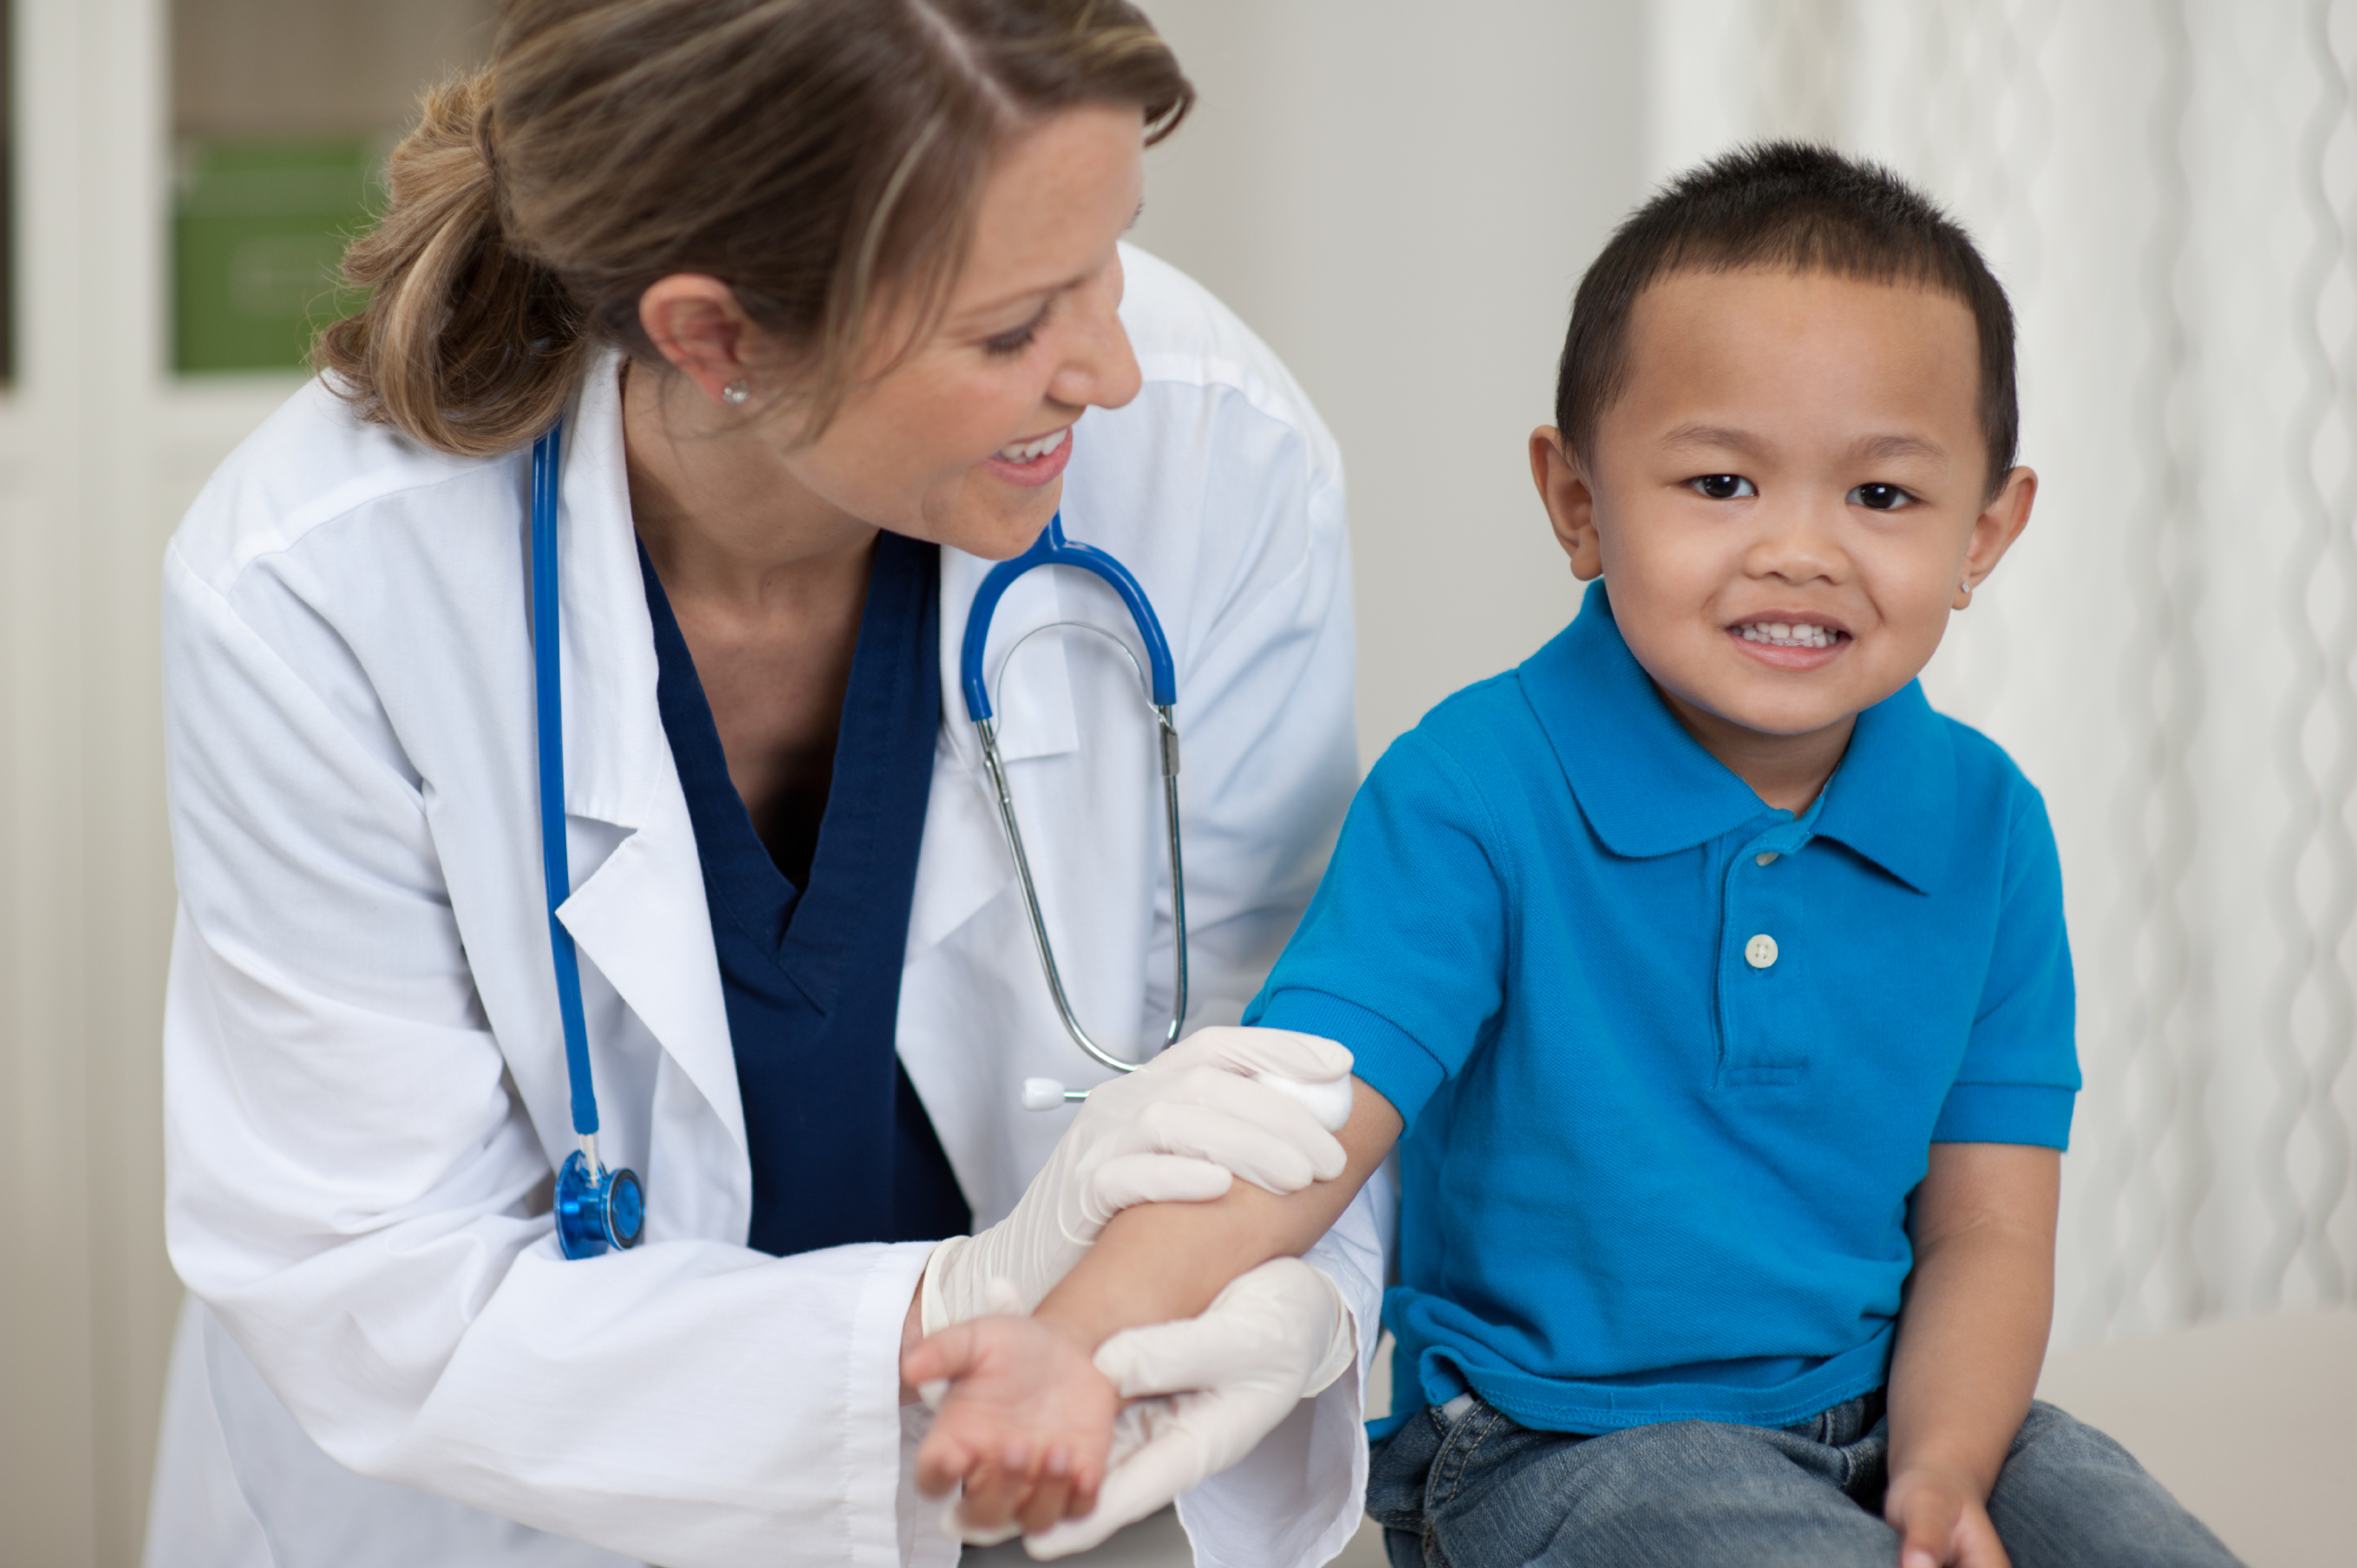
(597, 1210)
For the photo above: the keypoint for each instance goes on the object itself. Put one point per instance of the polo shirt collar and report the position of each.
(1649, 789)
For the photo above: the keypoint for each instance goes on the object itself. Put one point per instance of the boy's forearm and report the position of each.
(1161, 1261)
(1980, 1301)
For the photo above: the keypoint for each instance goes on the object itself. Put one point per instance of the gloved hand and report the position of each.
(1178, 1131)
(1275, 1336)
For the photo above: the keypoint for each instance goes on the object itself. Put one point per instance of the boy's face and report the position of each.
(1787, 499)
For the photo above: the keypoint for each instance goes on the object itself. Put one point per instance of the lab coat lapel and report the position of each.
(641, 915)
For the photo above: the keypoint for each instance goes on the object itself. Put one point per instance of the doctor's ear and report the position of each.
(697, 323)
(1570, 504)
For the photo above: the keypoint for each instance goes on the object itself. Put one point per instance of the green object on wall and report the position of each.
(258, 234)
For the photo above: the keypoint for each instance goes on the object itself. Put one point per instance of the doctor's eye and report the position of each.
(1015, 342)
(1723, 487)
(1879, 498)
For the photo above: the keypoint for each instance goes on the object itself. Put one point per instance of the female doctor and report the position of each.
(829, 300)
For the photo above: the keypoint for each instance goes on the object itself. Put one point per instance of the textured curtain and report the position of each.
(2170, 192)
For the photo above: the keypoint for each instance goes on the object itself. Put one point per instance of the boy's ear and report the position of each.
(1993, 532)
(1570, 504)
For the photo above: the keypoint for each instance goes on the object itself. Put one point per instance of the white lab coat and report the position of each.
(364, 1073)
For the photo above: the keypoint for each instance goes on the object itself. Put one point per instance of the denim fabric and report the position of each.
(1464, 1486)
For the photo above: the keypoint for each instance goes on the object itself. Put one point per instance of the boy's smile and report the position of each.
(1787, 499)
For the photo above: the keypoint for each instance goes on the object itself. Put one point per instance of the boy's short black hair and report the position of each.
(1787, 205)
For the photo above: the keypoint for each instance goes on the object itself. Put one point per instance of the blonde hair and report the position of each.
(820, 157)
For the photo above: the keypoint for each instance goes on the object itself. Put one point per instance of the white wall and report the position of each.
(82, 860)
(1399, 197)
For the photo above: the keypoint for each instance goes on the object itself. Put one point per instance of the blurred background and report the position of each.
(1399, 196)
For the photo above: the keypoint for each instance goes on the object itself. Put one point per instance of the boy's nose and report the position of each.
(1798, 543)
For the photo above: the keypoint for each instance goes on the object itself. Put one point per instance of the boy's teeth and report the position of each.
(1030, 451)
(1778, 634)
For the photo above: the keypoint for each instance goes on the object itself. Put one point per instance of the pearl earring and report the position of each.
(737, 393)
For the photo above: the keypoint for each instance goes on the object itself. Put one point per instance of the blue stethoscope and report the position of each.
(1052, 549)
(598, 1210)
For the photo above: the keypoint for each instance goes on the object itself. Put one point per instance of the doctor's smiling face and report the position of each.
(962, 436)
(1786, 501)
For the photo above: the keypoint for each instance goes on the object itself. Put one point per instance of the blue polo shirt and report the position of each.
(1671, 1061)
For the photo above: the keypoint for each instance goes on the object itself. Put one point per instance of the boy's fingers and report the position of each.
(1170, 1462)
(1978, 1545)
(948, 1354)
(991, 1493)
(1046, 1503)
(955, 1525)
(942, 1463)
(1084, 1499)
(1930, 1528)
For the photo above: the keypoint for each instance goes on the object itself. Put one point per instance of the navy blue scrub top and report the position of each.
(841, 1147)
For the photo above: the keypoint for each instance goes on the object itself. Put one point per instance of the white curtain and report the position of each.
(2169, 190)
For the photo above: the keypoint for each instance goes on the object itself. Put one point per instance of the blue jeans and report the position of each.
(1463, 1485)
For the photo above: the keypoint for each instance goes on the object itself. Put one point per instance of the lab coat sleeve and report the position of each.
(1270, 749)
(355, 1191)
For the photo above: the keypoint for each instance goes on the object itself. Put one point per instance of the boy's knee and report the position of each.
(2069, 1494)
(2053, 1439)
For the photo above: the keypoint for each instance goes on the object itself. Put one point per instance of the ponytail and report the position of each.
(467, 344)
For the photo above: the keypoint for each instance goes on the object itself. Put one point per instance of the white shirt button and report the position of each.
(1760, 951)
(1765, 857)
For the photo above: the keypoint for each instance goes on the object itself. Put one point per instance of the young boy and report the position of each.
(1715, 988)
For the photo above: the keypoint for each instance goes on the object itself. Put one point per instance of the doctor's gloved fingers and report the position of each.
(1126, 1180)
(1266, 1137)
(1307, 1058)
(1282, 1326)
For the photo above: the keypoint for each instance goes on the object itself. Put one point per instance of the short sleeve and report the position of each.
(1401, 955)
(2020, 1073)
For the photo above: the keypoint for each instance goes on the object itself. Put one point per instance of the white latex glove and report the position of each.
(1274, 1338)
(1178, 1131)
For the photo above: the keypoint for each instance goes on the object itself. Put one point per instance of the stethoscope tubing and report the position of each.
(596, 1210)
(1160, 681)
(549, 704)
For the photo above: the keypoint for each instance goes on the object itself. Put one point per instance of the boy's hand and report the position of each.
(1273, 1338)
(1026, 1424)
(1942, 1522)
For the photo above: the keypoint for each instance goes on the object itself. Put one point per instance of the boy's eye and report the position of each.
(1723, 487)
(1881, 498)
